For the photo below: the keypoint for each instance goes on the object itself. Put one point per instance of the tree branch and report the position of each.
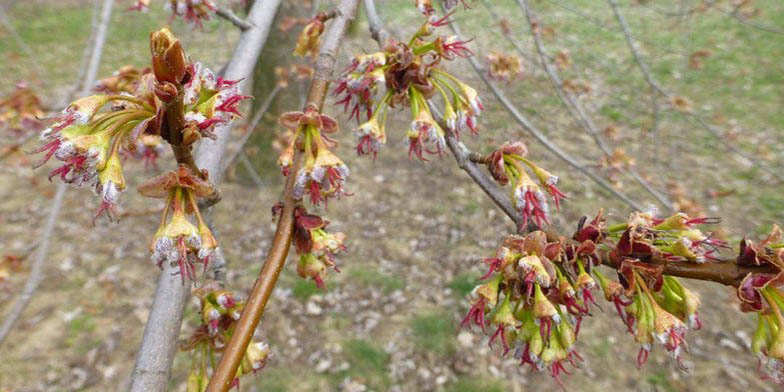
(159, 344)
(257, 300)
(726, 272)
(36, 269)
(539, 136)
(254, 122)
(658, 88)
(576, 110)
(229, 15)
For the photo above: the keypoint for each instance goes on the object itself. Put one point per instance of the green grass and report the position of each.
(462, 284)
(304, 288)
(476, 384)
(368, 363)
(434, 332)
(371, 277)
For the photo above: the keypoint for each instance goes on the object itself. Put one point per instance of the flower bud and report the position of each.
(543, 308)
(309, 266)
(168, 58)
(489, 290)
(307, 42)
(255, 357)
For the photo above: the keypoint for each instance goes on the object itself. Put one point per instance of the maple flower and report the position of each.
(411, 76)
(323, 174)
(503, 66)
(178, 241)
(317, 247)
(21, 111)
(307, 42)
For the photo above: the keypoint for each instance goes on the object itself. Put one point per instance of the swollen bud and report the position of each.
(168, 58)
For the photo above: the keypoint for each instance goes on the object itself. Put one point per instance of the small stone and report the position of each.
(465, 338)
(442, 379)
(313, 309)
(730, 344)
(323, 365)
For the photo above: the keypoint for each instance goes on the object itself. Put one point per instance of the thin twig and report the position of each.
(9, 27)
(539, 136)
(254, 122)
(257, 300)
(229, 15)
(656, 86)
(36, 269)
(734, 15)
(576, 110)
(159, 344)
(377, 31)
(254, 175)
(726, 272)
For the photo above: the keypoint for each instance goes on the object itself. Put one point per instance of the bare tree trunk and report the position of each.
(159, 343)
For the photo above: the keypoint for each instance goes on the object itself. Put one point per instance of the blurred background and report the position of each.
(416, 231)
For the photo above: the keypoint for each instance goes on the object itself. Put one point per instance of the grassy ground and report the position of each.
(388, 322)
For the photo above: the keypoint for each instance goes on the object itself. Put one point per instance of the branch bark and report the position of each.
(257, 300)
(230, 16)
(37, 266)
(159, 343)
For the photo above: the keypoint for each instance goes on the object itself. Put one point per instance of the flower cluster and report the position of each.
(8, 265)
(539, 288)
(124, 80)
(21, 111)
(323, 173)
(675, 238)
(655, 308)
(178, 241)
(220, 309)
(535, 296)
(762, 293)
(90, 135)
(411, 76)
(307, 42)
(504, 66)
(509, 163)
(315, 246)
(192, 11)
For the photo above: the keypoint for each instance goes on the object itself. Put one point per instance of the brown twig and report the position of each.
(159, 343)
(257, 300)
(576, 110)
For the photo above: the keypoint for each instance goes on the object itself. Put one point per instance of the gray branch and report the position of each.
(36, 268)
(539, 136)
(577, 111)
(229, 15)
(159, 343)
